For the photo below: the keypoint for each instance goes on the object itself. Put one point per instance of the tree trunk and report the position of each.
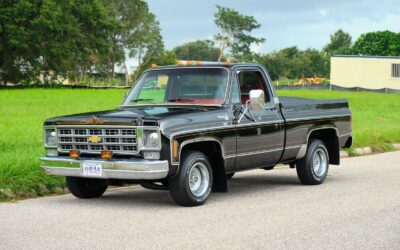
(113, 64)
(139, 64)
(113, 56)
(126, 74)
(222, 49)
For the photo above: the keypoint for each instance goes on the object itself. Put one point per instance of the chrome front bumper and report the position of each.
(119, 169)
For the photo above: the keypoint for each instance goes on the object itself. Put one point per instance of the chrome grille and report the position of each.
(119, 140)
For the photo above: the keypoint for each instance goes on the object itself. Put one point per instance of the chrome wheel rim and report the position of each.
(199, 179)
(320, 162)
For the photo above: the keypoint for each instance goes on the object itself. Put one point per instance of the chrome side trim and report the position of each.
(121, 169)
(254, 124)
(224, 127)
(295, 146)
(315, 117)
(248, 125)
(303, 150)
(255, 152)
(200, 139)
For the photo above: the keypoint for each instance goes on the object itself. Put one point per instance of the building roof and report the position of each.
(373, 57)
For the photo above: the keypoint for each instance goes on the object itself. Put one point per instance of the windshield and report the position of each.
(180, 86)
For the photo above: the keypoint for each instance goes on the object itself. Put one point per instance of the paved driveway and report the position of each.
(357, 207)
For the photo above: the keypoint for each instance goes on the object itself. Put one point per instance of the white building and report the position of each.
(369, 72)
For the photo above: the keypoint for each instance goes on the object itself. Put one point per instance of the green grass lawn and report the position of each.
(22, 112)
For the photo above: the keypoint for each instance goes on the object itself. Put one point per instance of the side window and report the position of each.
(235, 91)
(250, 80)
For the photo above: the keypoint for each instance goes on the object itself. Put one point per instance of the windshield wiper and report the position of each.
(142, 100)
(180, 100)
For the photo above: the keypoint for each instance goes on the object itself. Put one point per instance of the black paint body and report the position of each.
(278, 135)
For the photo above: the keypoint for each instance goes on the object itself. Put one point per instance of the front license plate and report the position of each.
(92, 169)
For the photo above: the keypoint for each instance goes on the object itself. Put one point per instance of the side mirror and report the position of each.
(257, 100)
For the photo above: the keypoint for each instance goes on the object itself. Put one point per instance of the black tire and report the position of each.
(305, 167)
(230, 176)
(86, 188)
(179, 185)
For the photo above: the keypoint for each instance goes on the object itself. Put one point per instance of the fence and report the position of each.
(335, 87)
(324, 86)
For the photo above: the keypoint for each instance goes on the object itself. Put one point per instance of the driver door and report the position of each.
(260, 141)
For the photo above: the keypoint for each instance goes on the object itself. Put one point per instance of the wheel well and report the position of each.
(331, 140)
(213, 151)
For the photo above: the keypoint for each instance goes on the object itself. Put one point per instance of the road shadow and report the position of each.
(239, 185)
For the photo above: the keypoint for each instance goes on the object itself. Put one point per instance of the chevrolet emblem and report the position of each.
(94, 121)
(94, 139)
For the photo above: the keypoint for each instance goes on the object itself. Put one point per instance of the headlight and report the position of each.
(50, 138)
(151, 140)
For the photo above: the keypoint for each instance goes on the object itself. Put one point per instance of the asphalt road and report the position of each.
(358, 206)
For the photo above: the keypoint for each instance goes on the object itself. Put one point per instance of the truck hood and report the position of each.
(125, 116)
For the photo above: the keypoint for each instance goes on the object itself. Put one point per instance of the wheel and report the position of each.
(86, 188)
(230, 176)
(313, 168)
(192, 185)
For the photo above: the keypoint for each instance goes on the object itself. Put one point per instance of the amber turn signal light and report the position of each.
(106, 154)
(74, 154)
(175, 149)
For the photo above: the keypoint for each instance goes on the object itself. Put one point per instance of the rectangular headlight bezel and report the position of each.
(46, 134)
(142, 133)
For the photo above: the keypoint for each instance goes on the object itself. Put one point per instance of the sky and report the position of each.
(306, 24)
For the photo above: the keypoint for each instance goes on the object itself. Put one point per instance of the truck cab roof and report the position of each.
(198, 64)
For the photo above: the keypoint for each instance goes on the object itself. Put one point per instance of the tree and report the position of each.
(380, 43)
(317, 63)
(128, 16)
(91, 40)
(163, 57)
(203, 50)
(292, 63)
(234, 34)
(148, 41)
(49, 38)
(274, 62)
(340, 43)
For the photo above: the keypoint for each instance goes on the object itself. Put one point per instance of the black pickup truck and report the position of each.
(190, 128)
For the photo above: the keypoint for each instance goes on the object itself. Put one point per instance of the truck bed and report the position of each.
(299, 109)
(302, 103)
